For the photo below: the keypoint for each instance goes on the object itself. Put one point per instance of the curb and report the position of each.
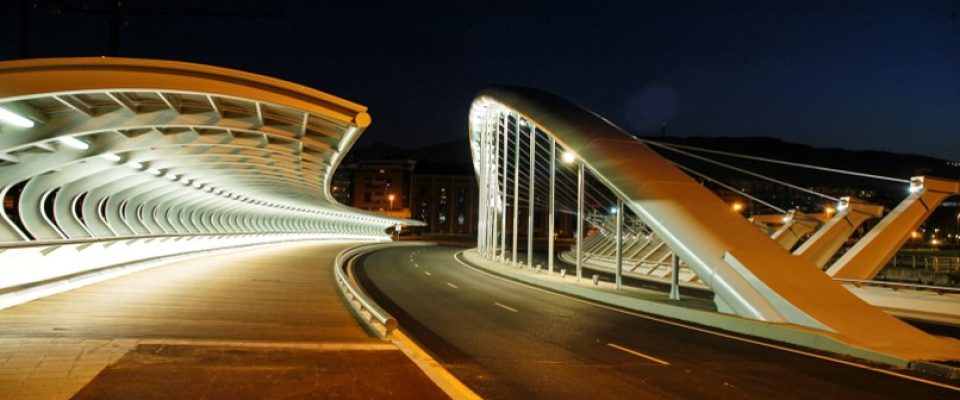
(385, 327)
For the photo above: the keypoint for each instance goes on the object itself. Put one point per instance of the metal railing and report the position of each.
(374, 317)
(897, 285)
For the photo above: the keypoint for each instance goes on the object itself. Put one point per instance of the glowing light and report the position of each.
(171, 177)
(568, 157)
(197, 185)
(613, 210)
(154, 171)
(134, 165)
(73, 142)
(14, 119)
(737, 206)
(916, 184)
(110, 157)
(914, 234)
(829, 210)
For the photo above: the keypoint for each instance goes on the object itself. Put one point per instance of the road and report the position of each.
(507, 341)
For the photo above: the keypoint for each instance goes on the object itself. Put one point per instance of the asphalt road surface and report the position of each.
(510, 341)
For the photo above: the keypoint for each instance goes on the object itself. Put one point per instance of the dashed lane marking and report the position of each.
(505, 307)
(638, 354)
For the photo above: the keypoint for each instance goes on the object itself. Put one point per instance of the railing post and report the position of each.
(675, 277)
(551, 228)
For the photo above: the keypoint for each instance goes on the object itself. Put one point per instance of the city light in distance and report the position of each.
(568, 157)
(738, 206)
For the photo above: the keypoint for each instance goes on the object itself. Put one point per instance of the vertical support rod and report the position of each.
(482, 231)
(550, 213)
(495, 197)
(503, 216)
(675, 278)
(516, 185)
(530, 192)
(619, 276)
(579, 220)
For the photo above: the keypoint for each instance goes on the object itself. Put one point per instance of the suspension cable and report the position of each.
(731, 188)
(774, 161)
(744, 171)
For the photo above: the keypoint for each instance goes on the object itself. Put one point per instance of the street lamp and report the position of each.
(391, 197)
(737, 206)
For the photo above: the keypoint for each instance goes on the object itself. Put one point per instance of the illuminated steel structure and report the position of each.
(536, 154)
(109, 160)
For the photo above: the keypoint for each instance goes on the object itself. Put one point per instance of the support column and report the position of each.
(484, 193)
(579, 220)
(675, 277)
(503, 215)
(530, 193)
(516, 185)
(550, 213)
(481, 200)
(619, 277)
(495, 207)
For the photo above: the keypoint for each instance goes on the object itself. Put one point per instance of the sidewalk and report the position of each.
(264, 323)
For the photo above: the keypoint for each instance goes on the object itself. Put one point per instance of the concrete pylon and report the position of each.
(866, 258)
(851, 214)
(797, 226)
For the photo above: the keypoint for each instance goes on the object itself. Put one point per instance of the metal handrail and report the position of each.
(895, 285)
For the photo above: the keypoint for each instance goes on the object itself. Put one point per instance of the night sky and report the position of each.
(862, 75)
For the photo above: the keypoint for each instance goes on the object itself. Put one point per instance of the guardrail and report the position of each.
(366, 310)
(898, 285)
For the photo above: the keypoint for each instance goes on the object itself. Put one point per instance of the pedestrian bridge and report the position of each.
(535, 153)
(109, 161)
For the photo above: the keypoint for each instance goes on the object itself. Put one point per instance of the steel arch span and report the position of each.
(518, 137)
(109, 160)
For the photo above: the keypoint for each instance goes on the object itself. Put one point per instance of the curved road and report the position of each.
(506, 341)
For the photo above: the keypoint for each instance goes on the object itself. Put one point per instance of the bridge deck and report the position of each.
(184, 326)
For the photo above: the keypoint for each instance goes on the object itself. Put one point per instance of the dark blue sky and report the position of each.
(860, 75)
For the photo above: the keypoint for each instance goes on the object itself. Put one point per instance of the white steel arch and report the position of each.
(751, 275)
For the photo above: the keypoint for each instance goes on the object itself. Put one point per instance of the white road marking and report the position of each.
(723, 335)
(427, 272)
(452, 285)
(508, 308)
(638, 354)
